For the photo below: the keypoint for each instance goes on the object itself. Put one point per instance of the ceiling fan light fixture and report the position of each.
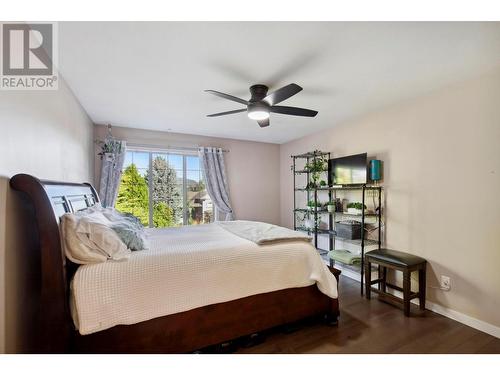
(258, 114)
(258, 111)
(261, 103)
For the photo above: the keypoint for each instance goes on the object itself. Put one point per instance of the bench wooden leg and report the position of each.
(384, 279)
(368, 278)
(379, 267)
(421, 288)
(406, 291)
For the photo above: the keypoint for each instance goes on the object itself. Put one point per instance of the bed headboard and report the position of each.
(50, 200)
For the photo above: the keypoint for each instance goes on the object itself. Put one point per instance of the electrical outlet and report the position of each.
(445, 282)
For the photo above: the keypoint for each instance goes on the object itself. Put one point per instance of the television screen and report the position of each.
(349, 170)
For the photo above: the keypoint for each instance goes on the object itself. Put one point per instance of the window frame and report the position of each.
(185, 153)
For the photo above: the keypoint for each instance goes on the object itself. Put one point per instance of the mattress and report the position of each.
(187, 268)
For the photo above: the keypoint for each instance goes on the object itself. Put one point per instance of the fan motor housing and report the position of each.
(258, 92)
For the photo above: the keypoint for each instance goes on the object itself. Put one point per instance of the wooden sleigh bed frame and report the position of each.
(177, 333)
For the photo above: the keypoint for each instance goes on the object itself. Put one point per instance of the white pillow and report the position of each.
(89, 239)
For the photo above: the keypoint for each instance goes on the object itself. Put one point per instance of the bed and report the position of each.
(72, 296)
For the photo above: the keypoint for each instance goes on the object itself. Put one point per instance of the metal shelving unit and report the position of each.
(333, 191)
(311, 156)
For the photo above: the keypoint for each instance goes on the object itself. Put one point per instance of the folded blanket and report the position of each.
(262, 233)
(344, 256)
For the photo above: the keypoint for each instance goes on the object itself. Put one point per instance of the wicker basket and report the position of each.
(350, 230)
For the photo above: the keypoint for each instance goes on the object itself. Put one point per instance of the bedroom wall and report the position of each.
(442, 176)
(252, 168)
(49, 135)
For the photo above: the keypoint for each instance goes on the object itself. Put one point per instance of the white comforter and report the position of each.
(186, 268)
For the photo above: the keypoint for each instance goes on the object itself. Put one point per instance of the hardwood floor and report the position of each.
(372, 326)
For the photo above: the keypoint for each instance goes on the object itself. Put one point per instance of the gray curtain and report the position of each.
(113, 156)
(214, 172)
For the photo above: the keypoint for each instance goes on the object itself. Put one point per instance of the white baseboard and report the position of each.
(445, 311)
(464, 319)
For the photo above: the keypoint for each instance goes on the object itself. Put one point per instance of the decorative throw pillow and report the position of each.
(131, 235)
(133, 219)
(117, 216)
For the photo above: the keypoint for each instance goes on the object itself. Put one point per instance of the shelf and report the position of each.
(322, 252)
(331, 233)
(355, 215)
(311, 211)
(356, 242)
(322, 211)
(331, 188)
(328, 188)
(353, 267)
(306, 171)
(306, 189)
(320, 231)
(311, 231)
(325, 235)
(368, 242)
(310, 155)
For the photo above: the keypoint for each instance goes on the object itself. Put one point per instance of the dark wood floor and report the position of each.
(372, 326)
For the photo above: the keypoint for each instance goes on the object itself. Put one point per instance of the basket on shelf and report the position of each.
(348, 229)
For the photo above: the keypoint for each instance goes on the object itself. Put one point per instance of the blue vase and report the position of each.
(375, 170)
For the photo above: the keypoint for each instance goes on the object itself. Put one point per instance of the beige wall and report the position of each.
(441, 160)
(46, 134)
(442, 178)
(252, 168)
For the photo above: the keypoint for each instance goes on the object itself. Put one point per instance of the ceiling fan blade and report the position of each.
(282, 94)
(294, 111)
(227, 96)
(263, 123)
(227, 113)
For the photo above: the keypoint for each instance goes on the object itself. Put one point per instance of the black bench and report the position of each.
(396, 260)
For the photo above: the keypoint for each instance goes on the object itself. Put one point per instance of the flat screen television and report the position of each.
(349, 170)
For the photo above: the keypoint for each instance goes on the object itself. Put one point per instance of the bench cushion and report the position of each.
(398, 258)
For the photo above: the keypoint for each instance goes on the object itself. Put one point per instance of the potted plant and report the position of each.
(315, 167)
(311, 205)
(330, 207)
(355, 208)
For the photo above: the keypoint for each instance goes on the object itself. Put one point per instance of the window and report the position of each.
(164, 189)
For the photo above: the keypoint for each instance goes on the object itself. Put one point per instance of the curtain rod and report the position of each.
(160, 148)
(167, 148)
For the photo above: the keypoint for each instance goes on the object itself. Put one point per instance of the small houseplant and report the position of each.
(334, 206)
(355, 208)
(315, 167)
(330, 207)
(311, 205)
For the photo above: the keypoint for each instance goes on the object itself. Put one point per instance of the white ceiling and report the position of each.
(152, 75)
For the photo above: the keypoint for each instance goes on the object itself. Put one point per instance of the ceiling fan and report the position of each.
(261, 104)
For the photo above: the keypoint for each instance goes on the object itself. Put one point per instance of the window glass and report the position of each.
(164, 189)
(193, 162)
(133, 193)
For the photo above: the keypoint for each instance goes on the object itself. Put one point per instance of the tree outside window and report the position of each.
(164, 190)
